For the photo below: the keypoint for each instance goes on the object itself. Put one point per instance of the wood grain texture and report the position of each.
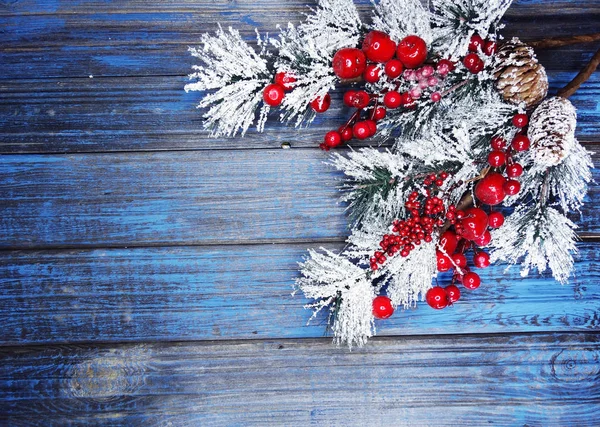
(154, 113)
(230, 292)
(192, 197)
(527, 380)
(105, 38)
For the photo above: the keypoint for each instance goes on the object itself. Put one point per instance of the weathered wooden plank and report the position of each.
(154, 113)
(229, 292)
(78, 39)
(533, 380)
(197, 197)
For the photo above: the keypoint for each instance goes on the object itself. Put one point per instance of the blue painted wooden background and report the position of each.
(146, 270)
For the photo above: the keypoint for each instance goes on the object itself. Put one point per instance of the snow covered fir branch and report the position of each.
(469, 128)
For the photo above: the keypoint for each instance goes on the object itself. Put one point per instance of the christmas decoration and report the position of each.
(452, 101)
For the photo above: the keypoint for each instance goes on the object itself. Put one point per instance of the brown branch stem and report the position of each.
(563, 41)
(581, 77)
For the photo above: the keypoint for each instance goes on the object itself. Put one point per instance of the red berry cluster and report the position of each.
(495, 186)
(273, 94)
(426, 213)
(472, 61)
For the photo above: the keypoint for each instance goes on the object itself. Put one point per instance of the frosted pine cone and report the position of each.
(552, 131)
(519, 75)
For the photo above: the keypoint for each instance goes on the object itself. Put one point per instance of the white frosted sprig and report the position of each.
(237, 75)
(400, 18)
(329, 279)
(454, 22)
(537, 237)
(306, 52)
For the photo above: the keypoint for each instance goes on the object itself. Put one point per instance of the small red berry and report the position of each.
(437, 298)
(372, 126)
(382, 307)
(380, 113)
(378, 46)
(349, 98)
(286, 80)
(273, 94)
(474, 223)
(372, 73)
(481, 260)
(443, 262)
(392, 99)
(346, 133)
(496, 159)
(412, 51)
(445, 66)
(471, 280)
(321, 104)
(498, 143)
(520, 120)
(484, 239)
(407, 100)
(489, 190)
(475, 43)
(361, 130)
(512, 187)
(448, 241)
(490, 47)
(473, 63)
(520, 143)
(349, 63)
(453, 293)
(361, 99)
(495, 219)
(393, 68)
(514, 171)
(460, 260)
(332, 139)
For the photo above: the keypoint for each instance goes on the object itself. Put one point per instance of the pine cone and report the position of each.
(519, 75)
(552, 131)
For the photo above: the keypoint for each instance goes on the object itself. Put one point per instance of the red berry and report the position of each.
(361, 130)
(273, 94)
(453, 293)
(489, 189)
(512, 187)
(407, 100)
(346, 132)
(382, 307)
(392, 99)
(475, 43)
(460, 260)
(349, 98)
(498, 143)
(394, 68)
(495, 219)
(484, 239)
(372, 126)
(496, 158)
(349, 63)
(448, 241)
(321, 104)
(443, 262)
(474, 223)
(437, 298)
(380, 113)
(520, 143)
(444, 66)
(285, 80)
(378, 46)
(514, 171)
(332, 139)
(471, 280)
(371, 74)
(473, 63)
(490, 47)
(361, 99)
(520, 120)
(481, 260)
(412, 51)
